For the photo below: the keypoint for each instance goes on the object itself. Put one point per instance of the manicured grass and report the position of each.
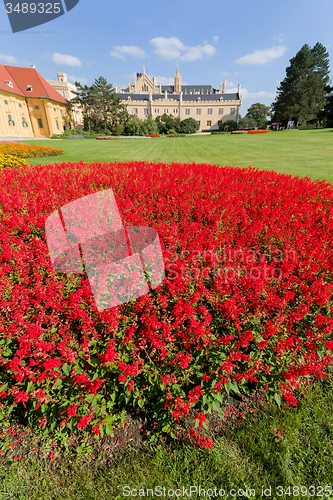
(298, 153)
(253, 453)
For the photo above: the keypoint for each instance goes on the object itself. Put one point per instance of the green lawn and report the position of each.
(273, 447)
(299, 153)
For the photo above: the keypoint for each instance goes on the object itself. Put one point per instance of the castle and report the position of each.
(208, 106)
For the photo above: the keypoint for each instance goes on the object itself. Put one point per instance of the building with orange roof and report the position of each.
(30, 106)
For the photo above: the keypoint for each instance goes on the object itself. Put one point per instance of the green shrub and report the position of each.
(87, 134)
(230, 125)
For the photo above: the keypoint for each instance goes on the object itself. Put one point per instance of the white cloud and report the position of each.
(173, 48)
(216, 39)
(165, 80)
(66, 60)
(196, 53)
(281, 37)
(128, 50)
(229, 84)
(168, 48)
(251, 95)
(262, 56)
(80, 79)
(8, 59)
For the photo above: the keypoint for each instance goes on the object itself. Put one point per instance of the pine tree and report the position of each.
(301, 94)
(101, 108)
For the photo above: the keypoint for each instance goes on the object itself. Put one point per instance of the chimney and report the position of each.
(33, 66)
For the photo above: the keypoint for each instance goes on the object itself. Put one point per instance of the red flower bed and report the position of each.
(257, 131)
(152, 135)
(247, 296)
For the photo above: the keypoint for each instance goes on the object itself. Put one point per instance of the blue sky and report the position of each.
(247, 42)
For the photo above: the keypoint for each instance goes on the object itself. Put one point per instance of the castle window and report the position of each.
(187, 111)
(145, 111)
(54, 109)
(61, 111)
(9, 83)
(36, 107)
(209, 123)
(24, 123)
(10, 121)
(6, 102)
(20, 105)
(40, 123)
(135, 111)
(210, 111)
(199, 111)
(221, 111)
(57, 124)
(198, 123)
(232, 111)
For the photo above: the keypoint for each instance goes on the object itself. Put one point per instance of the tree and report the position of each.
(85, 100)
(258, 113)
(246, 122)
(230, 125)
(109, 109)
(327, 112)
(301, 94)
(165, 123)
(101, 108)
(189, 126)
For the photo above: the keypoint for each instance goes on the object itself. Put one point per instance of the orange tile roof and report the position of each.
(22, 78)
(5, 79)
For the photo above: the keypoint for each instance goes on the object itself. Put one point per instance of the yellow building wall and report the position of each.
(32, 109)
(44, 116)
(17, 108)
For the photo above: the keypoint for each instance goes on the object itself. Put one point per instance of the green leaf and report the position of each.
(141, 403)
(94, 361)
(109, 430)
(218, 396)
(278, 399)
(66, 369)
(4, 387)
(234, 387)
(216, 406)
(58, 383)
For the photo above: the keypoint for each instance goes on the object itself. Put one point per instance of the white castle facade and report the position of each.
(208, 106)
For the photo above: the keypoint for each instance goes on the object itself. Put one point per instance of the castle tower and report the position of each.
(62, 77)
(224, 86)
(177, 82)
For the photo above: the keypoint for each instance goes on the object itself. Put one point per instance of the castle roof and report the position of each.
(28, 82)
